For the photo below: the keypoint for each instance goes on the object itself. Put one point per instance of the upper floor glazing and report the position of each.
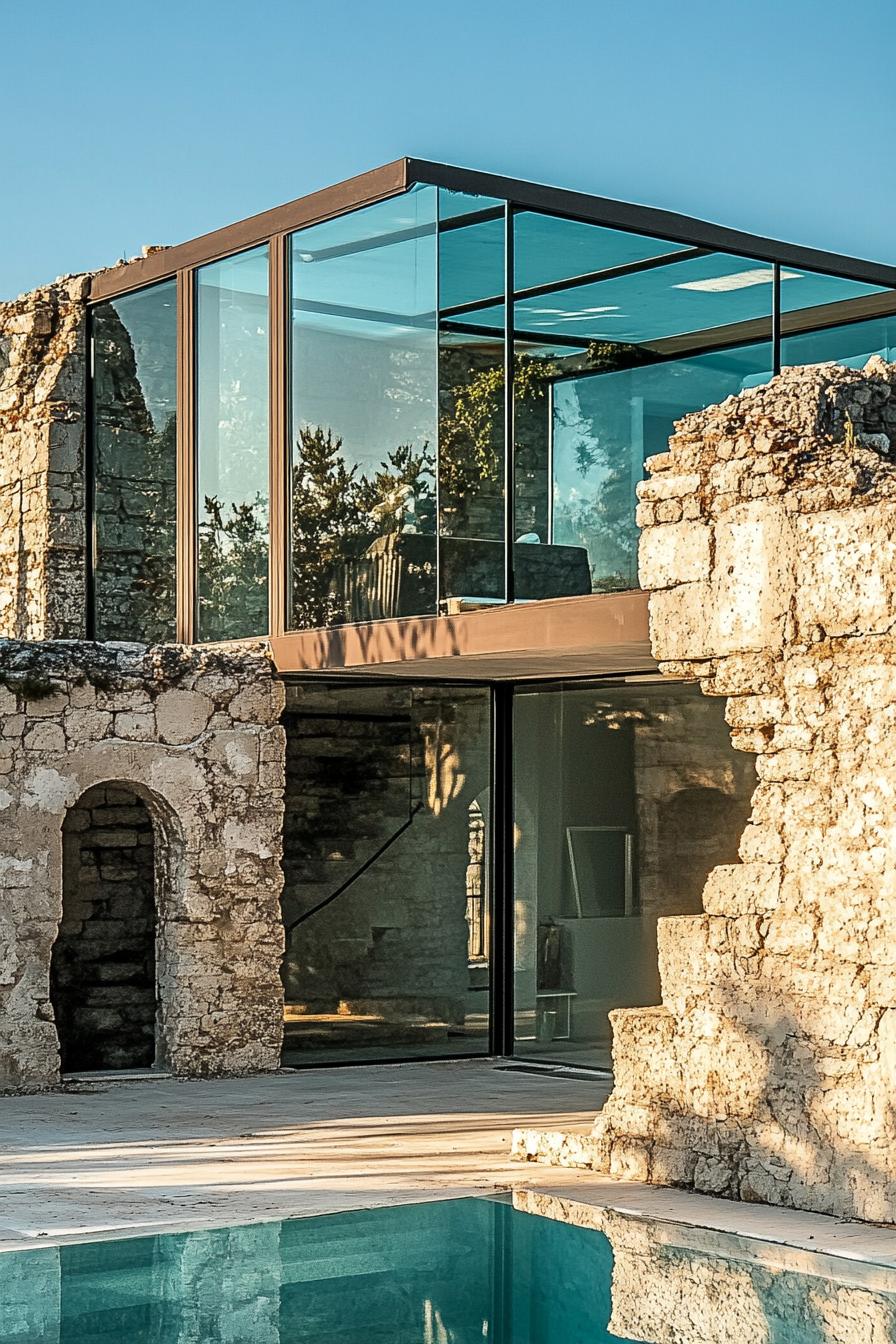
(426, 392)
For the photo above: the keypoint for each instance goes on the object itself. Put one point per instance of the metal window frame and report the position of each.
(512, 196)
(500, 868)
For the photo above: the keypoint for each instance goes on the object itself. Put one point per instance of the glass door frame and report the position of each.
(503, 1011)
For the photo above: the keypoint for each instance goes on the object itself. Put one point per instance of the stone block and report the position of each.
(742, 888)
(182, 716)
(674, 554)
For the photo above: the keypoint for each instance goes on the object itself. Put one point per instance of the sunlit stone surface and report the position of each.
(768, 1073)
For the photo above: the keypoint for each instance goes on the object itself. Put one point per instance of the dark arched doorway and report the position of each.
(103, 968)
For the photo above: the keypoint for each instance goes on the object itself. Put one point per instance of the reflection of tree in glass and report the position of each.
(600, 516)
(153, 595)
(233, 562)
(337, 512)
(471, 434)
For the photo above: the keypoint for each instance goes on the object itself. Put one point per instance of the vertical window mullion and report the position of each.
(90, 537)
(186, 458)
(776, 317)
(279, 436)
(501, 846)
(509, 453)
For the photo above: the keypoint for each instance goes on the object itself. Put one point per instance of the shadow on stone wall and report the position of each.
(769, 547)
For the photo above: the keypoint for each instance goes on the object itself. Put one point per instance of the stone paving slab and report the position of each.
(137, 1156)
(131, 1158)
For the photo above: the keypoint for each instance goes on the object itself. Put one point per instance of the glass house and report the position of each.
(395, 428)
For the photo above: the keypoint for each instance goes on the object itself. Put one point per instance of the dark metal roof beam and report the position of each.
(588, 278)
(647, 220)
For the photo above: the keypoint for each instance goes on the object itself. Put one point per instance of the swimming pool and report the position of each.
(447, 1272)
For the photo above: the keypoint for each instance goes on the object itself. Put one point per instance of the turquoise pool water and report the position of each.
(451, 1272)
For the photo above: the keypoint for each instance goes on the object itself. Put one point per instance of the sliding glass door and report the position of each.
(386, 874)
(625, 794)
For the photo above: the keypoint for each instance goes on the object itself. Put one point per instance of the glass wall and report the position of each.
(134, 426)
(232, 416)
(807, 295)
(471, 402)
(602, 427)
(625, 796)
(394, 390)
(609, 330)
(852, 344)
(386, 881)
(364, 414)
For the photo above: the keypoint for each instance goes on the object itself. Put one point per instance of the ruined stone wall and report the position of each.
(42, 413)
(768, 1072)
(769, 545)
(196, 735)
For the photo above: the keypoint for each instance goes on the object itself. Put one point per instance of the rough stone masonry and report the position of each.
(769, 1071)
(42, 417)
(196, 736)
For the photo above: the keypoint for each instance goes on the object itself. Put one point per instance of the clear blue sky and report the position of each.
(132, 123)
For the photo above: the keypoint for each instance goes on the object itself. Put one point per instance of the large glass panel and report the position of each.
(134, 437)
(232, 413)
(625, 796)
(364, 414)
(471, 402)
(852, 344)
(604, 364)
(805, 290)
(602, 426)
(386, 882)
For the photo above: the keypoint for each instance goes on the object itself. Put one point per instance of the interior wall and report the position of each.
(650, 760)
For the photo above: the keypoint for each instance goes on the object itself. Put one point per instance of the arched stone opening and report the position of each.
(103, 973)
(699, 829)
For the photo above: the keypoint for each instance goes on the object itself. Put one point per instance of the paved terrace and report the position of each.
(162, 1153)
(127, 1158)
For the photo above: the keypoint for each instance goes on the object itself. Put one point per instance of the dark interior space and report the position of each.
(102, 975)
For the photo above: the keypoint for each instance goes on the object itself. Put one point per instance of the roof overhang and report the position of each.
(396, 177)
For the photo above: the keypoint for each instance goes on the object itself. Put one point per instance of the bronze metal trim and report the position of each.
(595, 624)
(377, 185)
(186, 459)
(278, 300)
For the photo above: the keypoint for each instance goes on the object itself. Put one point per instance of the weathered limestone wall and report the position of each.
(768, 1073)
(42, 414)
(196, 735)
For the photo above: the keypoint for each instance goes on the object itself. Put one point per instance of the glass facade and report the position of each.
(386, 872)
(603, 322)
(232, 423)
(409, 479)
(134, 415)
(472, 465)
(625, 796)
(364, 367)
(852, 344)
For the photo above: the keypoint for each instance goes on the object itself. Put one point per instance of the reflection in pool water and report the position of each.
(448, 1272)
